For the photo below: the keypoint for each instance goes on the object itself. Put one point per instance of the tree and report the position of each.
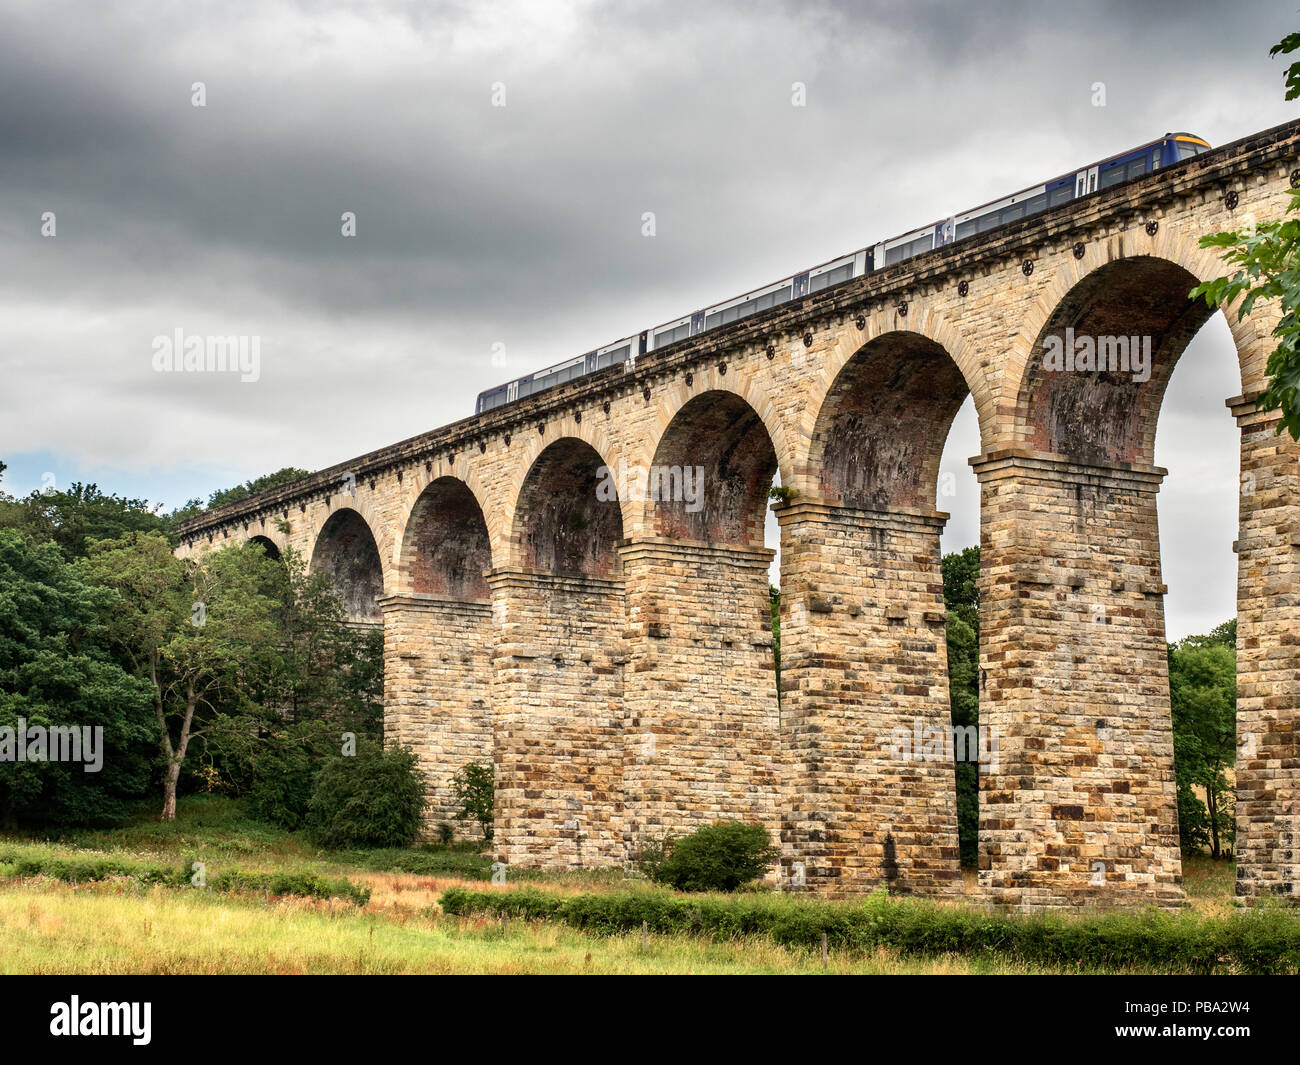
(473, 785)
(1203, 699)
(1267, 261)
(223, 496)
(58, 670)
(201, 633)
(375, 798)
(961, 571)
(83, 513)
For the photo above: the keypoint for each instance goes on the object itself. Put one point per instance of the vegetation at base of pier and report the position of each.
(103, 900)
(1266, 941)
(719, 857)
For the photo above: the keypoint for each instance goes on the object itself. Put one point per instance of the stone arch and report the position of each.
(883, 422)
(712, 467)
(446, 548)
(268, 545)
(921, 321)
(1117, 291)
(567, 521)
(459, 467)
(347, 550)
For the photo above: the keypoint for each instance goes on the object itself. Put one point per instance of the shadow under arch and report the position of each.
(267, 545)
(880, 432)
(1098, 368)
(712, 468)
(446, 548)
(568, 517)
(346, 550)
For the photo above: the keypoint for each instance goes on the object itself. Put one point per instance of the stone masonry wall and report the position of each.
(438, 693)
(699, 689)
(1082, 806)
(558, 720)
(864, 675)
(1268, 660)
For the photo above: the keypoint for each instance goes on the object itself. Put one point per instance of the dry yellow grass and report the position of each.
(49, 927)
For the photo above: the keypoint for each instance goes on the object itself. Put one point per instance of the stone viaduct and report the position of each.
(614, 658)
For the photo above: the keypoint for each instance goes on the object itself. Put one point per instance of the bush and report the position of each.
(374, 798)
(1266, 941)
(284, 772)
(718, 857)
(474, 791)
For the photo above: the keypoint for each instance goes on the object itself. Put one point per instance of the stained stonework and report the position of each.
(558, 720)
(438, 693)
(864, 683)
(611, 619)
(1083, 804)
(1268, 660)
(699, 690)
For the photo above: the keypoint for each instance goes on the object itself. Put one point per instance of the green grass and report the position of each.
(115, 900)
(99, 929)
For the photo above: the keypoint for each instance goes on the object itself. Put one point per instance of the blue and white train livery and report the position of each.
(1170, 149)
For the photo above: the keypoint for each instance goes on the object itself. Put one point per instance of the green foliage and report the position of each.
(87, 868)
(781, 494)
(651, 853)
(1265, 941)
(73, 519)
(718, 857)
(374, 798)
(1203, 699)
(202, 633)
(460, 860)
(774, 607)
(57, 668)
(473, 786)
(1266, 258)
(961, 572)
(284, 768)
(225, 496)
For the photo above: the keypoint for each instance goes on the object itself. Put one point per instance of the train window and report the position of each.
(1010, 214)
(1036, 203)
(1112, 176)
(1186, 149)
(831, 277)
(965, 229)
(921, 244)
(1060, 195)
(670, 336)
(1155, 159)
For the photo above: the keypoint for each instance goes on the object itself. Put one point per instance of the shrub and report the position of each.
(474, 791)
(718, 857)
(284, 772)
(374, 798)
(1266, 941)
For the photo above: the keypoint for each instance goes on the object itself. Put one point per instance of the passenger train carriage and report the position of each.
(1170, 149)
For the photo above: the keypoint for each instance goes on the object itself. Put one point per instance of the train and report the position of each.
(1165, 151)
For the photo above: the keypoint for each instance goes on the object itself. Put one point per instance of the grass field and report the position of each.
(117, 925)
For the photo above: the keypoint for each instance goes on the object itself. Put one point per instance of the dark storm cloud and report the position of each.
(521, 224)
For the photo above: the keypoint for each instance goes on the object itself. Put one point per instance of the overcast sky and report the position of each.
(521, 225)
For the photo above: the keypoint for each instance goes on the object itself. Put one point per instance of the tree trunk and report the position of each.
(169, 791)
(1212, 801)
